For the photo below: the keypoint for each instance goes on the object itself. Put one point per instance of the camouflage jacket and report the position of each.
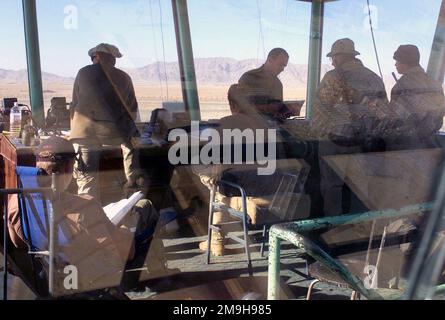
(349, 101)
(419, 103)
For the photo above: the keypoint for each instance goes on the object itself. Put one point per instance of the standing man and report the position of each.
(417, 99)
(264, 80)
(349, 86)
(103, 112)
(264, 88)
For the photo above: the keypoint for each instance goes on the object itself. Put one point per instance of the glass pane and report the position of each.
(350, 192)
(234, 37)
(142, 30)
(13, 78)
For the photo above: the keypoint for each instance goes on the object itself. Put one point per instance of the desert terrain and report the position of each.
(213, 98)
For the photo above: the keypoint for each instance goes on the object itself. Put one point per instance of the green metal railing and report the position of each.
(292, 232)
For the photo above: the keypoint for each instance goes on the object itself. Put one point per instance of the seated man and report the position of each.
(245, 116)
(95, 247)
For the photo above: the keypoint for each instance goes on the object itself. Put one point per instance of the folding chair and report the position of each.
(36, 217)
(37, 225)
(287, 203)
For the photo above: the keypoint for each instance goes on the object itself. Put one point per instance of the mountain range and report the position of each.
(212, 71)
(217, 71)
(21, 76)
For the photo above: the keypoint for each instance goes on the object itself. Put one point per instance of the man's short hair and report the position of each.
(276, 52)
(239, 95)
(233, 93)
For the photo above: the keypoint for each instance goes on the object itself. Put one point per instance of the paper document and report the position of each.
(118, 210)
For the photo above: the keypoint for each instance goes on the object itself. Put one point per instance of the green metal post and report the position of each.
(185, 56)
(321, 256)
(273, 277)
(436, 64)
(315, 47)
(33, 61)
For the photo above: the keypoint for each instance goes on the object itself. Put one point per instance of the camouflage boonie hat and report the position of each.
(343, 46)
(55, 149)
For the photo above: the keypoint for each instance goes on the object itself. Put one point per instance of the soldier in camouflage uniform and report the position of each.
(418, 101)
(347, 97)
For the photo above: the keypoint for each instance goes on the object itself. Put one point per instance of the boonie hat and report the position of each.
(106, 48)
(343, 46)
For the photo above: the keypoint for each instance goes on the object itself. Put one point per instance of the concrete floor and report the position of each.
(188, 276)
(17, 290)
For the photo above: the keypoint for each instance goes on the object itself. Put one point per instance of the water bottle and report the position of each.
(15, 119)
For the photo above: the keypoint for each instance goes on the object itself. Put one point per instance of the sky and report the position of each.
(239, 29)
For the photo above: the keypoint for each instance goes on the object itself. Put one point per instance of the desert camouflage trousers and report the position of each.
(86, 168)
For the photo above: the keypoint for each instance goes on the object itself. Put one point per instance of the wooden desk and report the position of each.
(392, 179)
(13, 154)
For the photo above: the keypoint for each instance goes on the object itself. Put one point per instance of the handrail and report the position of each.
(292, 232)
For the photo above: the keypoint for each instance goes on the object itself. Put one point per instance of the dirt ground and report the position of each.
(213, 98)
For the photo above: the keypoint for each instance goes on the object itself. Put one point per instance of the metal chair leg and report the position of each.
(5, 251)
(246, 235)
(309, 290)
(263, 242)
(354, 295)
(244, 221)
(210, 223)
(246, 243)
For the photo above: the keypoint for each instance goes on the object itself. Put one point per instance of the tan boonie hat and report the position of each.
(106, 48)
(343, 46)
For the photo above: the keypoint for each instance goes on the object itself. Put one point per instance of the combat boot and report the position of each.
(218, 238)
(217, 244)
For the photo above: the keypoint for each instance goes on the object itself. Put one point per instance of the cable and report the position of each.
(373, 40)
(261, 35)
(163, 46)
(285, 21)
(156, 51)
